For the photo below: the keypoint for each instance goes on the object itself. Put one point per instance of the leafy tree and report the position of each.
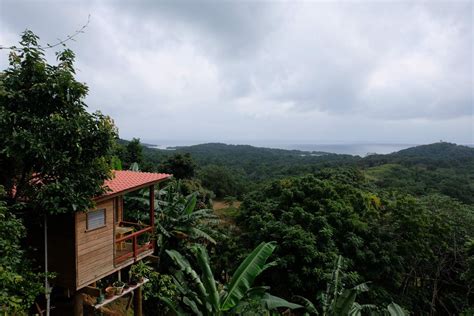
(313, 221)
(159, 286)
(468, 275)
(54, 155)
(410, 248)
(134, 152)
(429, 235)
(201, 294)
(194, 186)
(222, 180)
(181, 166)
(20, 285)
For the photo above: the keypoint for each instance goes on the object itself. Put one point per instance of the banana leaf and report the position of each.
(207, 277)
(274, 302)
(307, 304)
(246, 273)
(395, 310)
(191, 204)
(345, 301)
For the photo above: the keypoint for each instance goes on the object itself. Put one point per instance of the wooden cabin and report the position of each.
(84, 247)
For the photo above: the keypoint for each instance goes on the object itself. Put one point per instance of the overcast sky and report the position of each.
(291, 72)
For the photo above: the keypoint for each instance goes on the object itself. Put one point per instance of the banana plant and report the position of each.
(177, 217)
(338, 301)
(202, 295)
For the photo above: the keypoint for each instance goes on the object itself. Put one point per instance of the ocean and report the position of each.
(350, 149)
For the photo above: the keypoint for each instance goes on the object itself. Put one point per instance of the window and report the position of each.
(96, 219)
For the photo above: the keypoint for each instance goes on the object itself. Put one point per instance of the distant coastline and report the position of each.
(344, 149)
(349, 149)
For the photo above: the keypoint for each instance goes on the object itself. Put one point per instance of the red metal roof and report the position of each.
(126, 180)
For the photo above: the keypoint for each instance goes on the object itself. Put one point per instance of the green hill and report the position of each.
(439, 151)
(444, 168)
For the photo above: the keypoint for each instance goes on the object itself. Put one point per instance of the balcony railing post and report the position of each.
(135, 247)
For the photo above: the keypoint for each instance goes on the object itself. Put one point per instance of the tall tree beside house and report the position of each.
(54, 155)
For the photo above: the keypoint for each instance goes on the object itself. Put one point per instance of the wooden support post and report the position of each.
(137, 302)
(135, 248)
(78, 304)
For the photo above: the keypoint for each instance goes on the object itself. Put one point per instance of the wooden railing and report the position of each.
(125, 223)
(136, 247)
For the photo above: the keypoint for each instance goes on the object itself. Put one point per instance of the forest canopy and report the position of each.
(402, 221)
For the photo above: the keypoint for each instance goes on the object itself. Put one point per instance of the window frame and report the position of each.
(104, 210)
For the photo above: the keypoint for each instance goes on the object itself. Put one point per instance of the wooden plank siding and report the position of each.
(95, 248)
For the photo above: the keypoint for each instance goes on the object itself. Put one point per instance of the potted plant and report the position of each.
(138, 272)
(101, 297)
(118, 285)
(144, 239)
(109, 292)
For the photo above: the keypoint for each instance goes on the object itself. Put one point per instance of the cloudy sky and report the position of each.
(290, 72)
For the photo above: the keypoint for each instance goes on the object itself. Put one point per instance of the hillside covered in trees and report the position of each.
(403, 222)
(436, 168)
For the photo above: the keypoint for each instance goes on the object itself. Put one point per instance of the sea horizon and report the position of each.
(355, 149)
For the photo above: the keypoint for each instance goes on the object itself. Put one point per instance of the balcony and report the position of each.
(133, 242)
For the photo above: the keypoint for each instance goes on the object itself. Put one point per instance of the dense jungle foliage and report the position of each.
(233, 170)
(403, 222)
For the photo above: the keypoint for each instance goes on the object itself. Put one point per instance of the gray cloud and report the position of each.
(259, 70)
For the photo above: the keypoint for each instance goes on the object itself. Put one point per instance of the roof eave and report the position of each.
(123, 192)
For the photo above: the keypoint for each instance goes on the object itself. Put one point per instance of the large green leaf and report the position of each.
(207, 276)
(357, 309)
(185, 266)
(192, 304)
(197, 233)
(395, 310)
(274, 302)
(182, 262)
(246, 273)
(343, 304)
(256, 293)
(190, 204)
(307, 304)
(134, 167)
(171, 306)
(345, 301)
